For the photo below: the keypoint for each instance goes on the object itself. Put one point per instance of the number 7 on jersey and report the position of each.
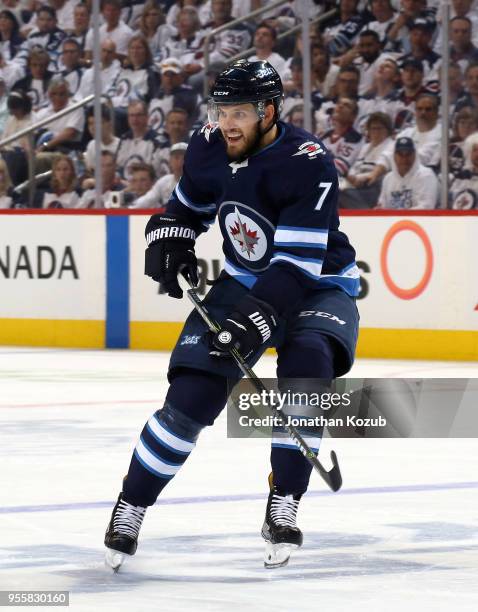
(326, 188)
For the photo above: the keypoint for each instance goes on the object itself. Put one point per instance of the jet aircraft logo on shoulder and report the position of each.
(208, 129)
(311, 149)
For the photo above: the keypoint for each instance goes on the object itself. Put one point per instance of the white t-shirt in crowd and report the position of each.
(417, 189)
(159, 193)
(69, 199)
(90, 153)
(120, 36)
(75, 120)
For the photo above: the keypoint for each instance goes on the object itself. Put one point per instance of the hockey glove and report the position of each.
(170, 251)
(247, 328)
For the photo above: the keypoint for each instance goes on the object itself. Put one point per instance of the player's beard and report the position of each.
(250, 146)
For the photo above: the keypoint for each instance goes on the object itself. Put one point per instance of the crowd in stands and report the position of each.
(376, 94)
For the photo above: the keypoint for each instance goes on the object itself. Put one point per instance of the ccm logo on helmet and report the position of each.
(221, 93)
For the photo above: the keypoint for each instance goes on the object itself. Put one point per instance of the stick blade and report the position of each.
(334, 475)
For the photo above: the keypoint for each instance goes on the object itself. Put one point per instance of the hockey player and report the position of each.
(273, 189)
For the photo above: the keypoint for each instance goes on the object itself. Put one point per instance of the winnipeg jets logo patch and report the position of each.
(311, 149)
(246, 236)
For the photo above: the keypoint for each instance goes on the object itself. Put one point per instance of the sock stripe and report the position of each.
(170, 439)
(157, 464)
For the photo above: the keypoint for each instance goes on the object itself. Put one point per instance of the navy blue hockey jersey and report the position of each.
(277, 212)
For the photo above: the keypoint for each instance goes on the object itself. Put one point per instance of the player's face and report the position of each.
(239, 125)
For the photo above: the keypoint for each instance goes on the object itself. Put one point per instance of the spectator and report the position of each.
(131, 12)
(160, 192)
(462, 50)
(421, 33)
(81, 25)
(294, 93)
(62, 193)
(140, 143)
(142, 179)
(110, 181)
(343, 140)
(224, 45)
(45, 35)
(383, 18)
(464, 187)
(346, 86)
(10, 72)
(341, 32)
(461, 8)
(427, 133)
(70, 67)
(265, 38)
(185, 45)
(64, 10)
(153, 27)
(10, 38)
(470, 97)
(37, 79)
(176, 130)
(465, 123)
(455, 86)
(366, 57)
(6, 191)
(110, 68)
(361, 187)
(138, 79)
(173, 93)
(409, 185)
(295, 117)
(109, 142)
(20, 116)
(324, 73)
(19, 107)
(412, 80)
(398, 36)
(203, 10)
(383, 95)
(211, 74)
(63, 134)
(112, 28)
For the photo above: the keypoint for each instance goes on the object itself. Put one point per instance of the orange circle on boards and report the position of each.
(413, 292)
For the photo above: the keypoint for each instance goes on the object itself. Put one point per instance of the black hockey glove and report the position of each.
(170, 251)
(247, 328)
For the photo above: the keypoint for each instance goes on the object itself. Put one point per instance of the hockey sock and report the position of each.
(309, 357)
(164, 445)
(193, 401)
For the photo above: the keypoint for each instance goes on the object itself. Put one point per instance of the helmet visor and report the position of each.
(241, 113)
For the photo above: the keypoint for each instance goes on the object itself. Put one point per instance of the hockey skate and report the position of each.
(279, 529)
(121, 537)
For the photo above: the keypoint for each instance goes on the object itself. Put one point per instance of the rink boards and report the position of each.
(74, 279)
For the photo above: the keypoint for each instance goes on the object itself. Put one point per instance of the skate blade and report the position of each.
(114, 559)
(277, 555)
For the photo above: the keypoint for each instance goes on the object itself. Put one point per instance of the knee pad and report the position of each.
(178, 423)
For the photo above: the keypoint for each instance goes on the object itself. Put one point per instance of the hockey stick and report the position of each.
(333, 478)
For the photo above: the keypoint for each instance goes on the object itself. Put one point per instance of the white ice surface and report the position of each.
(68, 423)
